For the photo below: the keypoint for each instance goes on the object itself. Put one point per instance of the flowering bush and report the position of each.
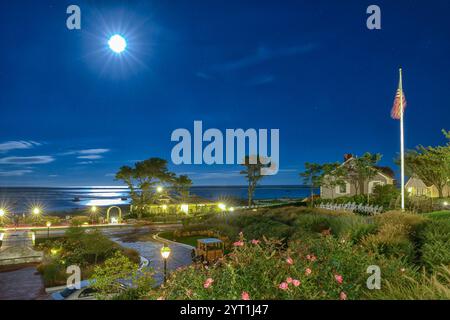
(323, 268)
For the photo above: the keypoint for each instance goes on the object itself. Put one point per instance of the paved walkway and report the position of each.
(180, 255)
(22, 284)
(17, 247)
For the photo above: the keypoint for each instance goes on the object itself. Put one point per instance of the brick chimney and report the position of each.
(347, 156)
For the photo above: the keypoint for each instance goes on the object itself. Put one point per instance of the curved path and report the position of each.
(22, 284)
(180, 254)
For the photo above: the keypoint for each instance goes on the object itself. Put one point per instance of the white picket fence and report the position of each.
(352, 207)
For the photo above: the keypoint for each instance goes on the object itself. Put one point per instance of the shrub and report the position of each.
(79, 220)
(353, 228)
(391, 240)
(435, 240)
(385, 195)
(325, 268)
(53, 273)
(414, 222)
(314, 223)
(423, 287)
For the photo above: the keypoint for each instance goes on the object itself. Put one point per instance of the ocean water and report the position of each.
(22, 199)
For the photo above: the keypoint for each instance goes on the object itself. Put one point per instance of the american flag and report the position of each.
(397, 107)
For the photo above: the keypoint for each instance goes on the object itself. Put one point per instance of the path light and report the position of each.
(231, 209)
(222, 206)
(445, 203)
(165, 253)
(48, 224)
(185, 208)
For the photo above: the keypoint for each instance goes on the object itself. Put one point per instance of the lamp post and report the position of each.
(48, 224)
(93, 213)
(165, 253)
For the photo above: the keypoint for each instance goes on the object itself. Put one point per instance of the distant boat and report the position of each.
(124, 198)
(76, 199)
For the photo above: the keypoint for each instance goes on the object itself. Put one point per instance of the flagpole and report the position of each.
(402, 143)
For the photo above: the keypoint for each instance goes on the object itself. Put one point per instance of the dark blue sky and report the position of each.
(310, 68)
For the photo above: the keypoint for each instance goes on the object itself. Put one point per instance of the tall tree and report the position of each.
(333, 175)
(361, 169)
(312, 177)
(446, 133)
(431, 165)
(142, 179)
(253, 175)
(182, 185)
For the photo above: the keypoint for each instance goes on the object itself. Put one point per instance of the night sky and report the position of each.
(72, 112)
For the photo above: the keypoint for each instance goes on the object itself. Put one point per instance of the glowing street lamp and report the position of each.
(165, 253)
(2, 213)
(445, 203)
(222, 206)
(185, 208)
(48, 224)
(36, 211)
(159, 189)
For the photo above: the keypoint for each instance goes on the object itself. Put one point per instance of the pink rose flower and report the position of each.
(311, 258)
(254, 241)
(296, 282)
(208, 283)
(289, 261)
(343, 296)
(283, 286)
(289, 280)
(338, 278)
(245, 295)
(238, 243)
(308, 271)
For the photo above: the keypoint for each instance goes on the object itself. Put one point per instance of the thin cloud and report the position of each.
(261, 80)
(85, 162)
(203, 75)
(90, 157)
(86, 152)
(17, 145)
(263, 54)
(14, 173)
(27, 160)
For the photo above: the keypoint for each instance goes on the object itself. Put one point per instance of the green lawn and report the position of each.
(444, 214)
(192, 240)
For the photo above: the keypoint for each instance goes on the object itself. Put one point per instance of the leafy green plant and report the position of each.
(435, 239)
(323, 268)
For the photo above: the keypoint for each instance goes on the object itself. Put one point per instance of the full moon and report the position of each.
(117, 43)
